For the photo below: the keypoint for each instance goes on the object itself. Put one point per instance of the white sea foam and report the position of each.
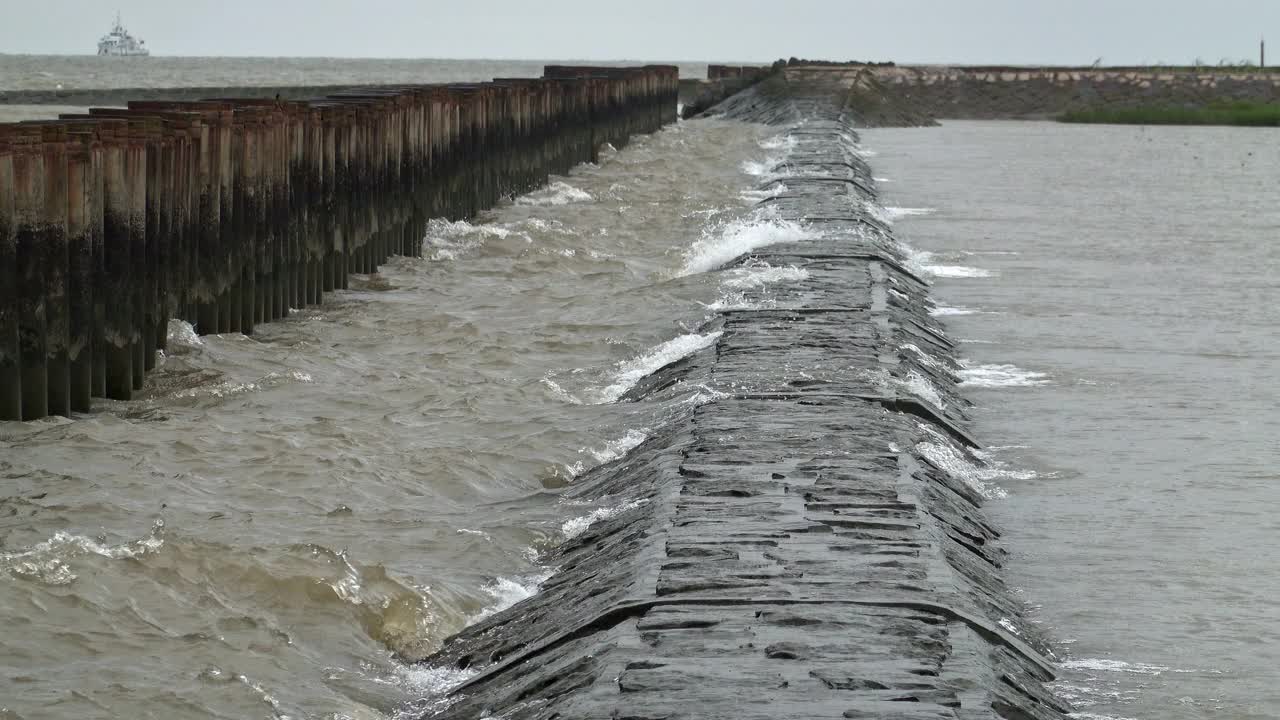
(616, 448)
(761, 168)
(921, 387)
(895, 213)
(952, 462)
(923, 262)
(915, 260)
(559, 392)
(557, 193)
(781, 141)
(752, 197)
(956, 271)
(629, 372)
(927, 359)
(544, 225)
(723, 243)
(758, 274)
(266, 697)
(981, 475)
(738, 302)
(509, 591)
(704, 395)
(230, 388)
(434, 681)
(181, 334)
(944, 311)
(1119, 666)
(49, 561)
(450, 239)
(999, 376)
(575, 527)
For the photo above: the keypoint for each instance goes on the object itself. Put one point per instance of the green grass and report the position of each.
(1240, 113)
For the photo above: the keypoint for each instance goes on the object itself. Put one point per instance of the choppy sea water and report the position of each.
(1116, 289)
(281, 523)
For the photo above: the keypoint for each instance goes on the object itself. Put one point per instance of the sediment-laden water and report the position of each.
(1115, 291)
(283, 520)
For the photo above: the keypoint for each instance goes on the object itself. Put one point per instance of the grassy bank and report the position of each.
(1243, 113)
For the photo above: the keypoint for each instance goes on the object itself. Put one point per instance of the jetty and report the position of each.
(811, 543)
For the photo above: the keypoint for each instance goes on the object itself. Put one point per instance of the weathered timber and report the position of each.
(10, 371)
(230, 212)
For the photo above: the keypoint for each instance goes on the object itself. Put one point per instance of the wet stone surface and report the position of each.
(807, 544)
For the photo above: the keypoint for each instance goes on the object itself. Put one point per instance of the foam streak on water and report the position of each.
(897, 213)
(946, 311)
(999, 375)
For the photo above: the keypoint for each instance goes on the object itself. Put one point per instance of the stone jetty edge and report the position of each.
(806, 539)
(230, 212)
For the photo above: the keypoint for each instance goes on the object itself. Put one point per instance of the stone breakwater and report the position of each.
(227, 213)
(808, 542)
(1031, 93)
(722, 81)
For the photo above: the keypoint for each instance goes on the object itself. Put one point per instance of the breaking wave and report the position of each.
(575, 527)
(612, 450)
(629, 372)
(506, 592)
(49, 562)
(557, 193)
(920, 386)
(722, 243)
(977, 472)
(452, 239)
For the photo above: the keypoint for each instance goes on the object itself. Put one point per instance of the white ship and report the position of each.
(120, 42)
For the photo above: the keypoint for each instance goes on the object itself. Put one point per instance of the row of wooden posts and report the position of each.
(227, 213)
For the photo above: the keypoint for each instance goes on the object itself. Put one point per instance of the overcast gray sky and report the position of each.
(977, 31)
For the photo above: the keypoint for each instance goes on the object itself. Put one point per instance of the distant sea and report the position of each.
(48, 72)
